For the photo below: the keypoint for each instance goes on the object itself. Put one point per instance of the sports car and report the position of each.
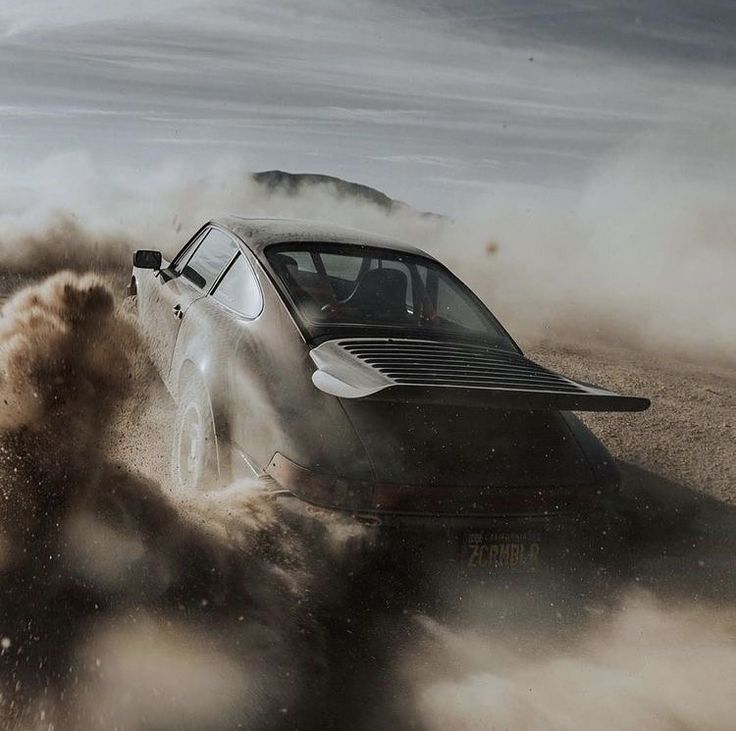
(364, 377)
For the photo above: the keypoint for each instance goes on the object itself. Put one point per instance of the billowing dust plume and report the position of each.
(641, 667)
(126, 606)
(641, 252)
(95, 220)
(64, 364)
(641, 255)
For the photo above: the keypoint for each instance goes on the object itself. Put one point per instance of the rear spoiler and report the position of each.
(428, 371)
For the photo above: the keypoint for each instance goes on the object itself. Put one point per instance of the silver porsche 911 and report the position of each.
(363, 377)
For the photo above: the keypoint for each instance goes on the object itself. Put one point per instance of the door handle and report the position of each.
(176, 309)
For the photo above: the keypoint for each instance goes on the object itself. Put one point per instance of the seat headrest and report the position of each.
(381, 292)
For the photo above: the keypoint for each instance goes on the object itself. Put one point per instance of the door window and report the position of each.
(239, 289)
(182, 257)
(210, 258)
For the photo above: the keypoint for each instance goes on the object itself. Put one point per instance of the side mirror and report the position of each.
(147, 259)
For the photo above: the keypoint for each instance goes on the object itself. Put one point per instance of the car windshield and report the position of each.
(342, 285)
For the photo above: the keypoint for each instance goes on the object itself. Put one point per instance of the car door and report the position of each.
(156, 299)
(189, 278)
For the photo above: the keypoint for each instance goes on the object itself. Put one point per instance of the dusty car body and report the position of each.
(363, 377)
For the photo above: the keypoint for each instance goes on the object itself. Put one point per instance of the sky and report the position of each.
(432, 101)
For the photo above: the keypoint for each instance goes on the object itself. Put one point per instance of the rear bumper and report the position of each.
(390, 521)
(439, 505)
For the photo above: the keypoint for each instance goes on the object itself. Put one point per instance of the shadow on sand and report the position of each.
(684, 542)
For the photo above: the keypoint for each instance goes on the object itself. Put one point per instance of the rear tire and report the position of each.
(194, 452)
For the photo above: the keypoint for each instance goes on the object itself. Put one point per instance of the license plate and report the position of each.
(500, 551)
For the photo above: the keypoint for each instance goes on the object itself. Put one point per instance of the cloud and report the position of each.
(372, 88)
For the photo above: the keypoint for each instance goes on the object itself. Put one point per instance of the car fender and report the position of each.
(598, 457)
(193, 355)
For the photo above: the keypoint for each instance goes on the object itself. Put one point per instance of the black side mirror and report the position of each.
(147, 259)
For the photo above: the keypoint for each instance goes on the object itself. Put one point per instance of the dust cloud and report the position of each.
(642, 666)
(641, 254)
(126, 605)
(97, 221)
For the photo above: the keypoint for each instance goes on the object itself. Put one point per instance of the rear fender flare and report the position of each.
(190, 371)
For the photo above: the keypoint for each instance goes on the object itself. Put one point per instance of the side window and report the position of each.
(239, 289)
(208, 260)
(182, 257)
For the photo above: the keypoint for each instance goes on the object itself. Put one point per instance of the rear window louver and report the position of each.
(358, 368)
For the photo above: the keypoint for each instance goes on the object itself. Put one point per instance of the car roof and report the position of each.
(258, 233)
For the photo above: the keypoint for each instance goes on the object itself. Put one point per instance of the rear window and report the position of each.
(346, 285)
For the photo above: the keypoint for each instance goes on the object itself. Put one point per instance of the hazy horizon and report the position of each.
(433, 101)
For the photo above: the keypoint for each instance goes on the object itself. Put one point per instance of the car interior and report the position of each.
(368, 286)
